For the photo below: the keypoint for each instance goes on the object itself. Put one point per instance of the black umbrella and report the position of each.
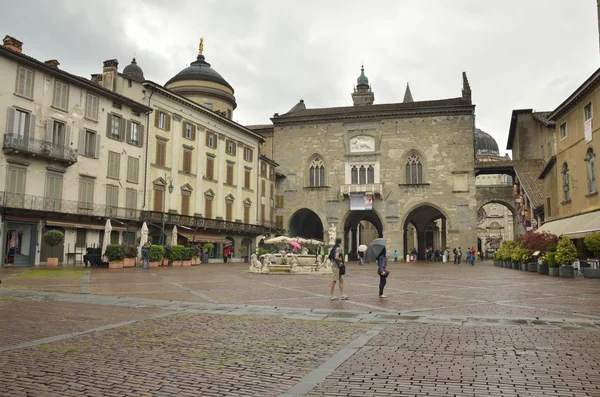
(374, 249)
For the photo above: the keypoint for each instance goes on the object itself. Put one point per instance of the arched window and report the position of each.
(317, 173)
(414, 170)
(362, 174)
(566, 188)
(590, 157)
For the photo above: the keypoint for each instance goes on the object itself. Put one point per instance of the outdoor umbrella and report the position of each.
(362, 248)
(143, 238)
(106, 239)
(278, 240)
(374, 249)
(295, 244)
(174, 236)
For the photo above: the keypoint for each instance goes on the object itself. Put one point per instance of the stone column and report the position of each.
(353, 245)
(444, 237)
(421, 243)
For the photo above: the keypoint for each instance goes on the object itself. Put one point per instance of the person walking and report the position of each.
(336, 255)
(382, 271)
(145, 257)
(459, 256)
(473, 256)
(396, 255)
(468, 256)
(455, 253)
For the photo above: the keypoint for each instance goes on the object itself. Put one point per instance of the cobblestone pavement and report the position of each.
(217, 330)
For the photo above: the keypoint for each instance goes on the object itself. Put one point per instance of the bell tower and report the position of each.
(362, 95)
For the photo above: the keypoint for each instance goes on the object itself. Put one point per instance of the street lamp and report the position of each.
(162, 232)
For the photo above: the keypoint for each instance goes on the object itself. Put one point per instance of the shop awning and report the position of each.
(204, 238)
(81, 225)
(575, 227)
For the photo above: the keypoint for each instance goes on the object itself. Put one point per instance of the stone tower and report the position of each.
(362, 94)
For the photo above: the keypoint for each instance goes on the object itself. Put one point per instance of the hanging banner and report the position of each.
(361, 201)
(587, 130)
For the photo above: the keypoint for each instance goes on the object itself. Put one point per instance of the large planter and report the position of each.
(567, 271)
(542, 268)
(52, 261)
(155, 263)
(532, 267)
(195, 261)
(186, 263)
(516, 265)
(115, 265)
(129, 262)
(177, 263)
(591, 273)
(554, 271)
(524, 267)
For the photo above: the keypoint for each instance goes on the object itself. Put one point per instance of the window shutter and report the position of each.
(10, 121)
(67, 142)
(208, 209)
(56, 99)
(21, 81)
(97, 145)
(128, 132)
(183, 123)
(193, 132)
(247, 179)
(158, 200)
(108, 124)
(29, 83)
(209, 168)
(31, 133)
(246, 214)
(140, 135)
(122, 126)
(228, 212)
(156, 118)
(168, 126)
(185, 204)
(229, 174)
(81, 142)
(207, 135)
(49, 125)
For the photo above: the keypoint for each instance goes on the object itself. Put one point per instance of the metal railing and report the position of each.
(37, 203)
(375, 188)
(39, 147)
(204, 223)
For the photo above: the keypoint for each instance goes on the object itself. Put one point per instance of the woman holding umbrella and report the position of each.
(376, 250)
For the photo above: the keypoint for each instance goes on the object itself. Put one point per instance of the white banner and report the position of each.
(361, 201)
(587, 131)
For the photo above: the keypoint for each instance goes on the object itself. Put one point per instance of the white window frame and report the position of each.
(134, 134)
(561, 130)
(586, 115)
(133, 169)
(248, 154)
(21, 124)
(188, 130)
(162, 120)
(114, 167)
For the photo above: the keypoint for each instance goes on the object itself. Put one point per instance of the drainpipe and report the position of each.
(147, 148)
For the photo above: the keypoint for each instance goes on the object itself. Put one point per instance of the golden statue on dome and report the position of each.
(201, 46)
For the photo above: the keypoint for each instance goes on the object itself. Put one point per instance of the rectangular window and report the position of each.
(188, 130)
(211, 139)
(263, 170)
(131, 202)
(159, 193)
(246, 214)
(133, 169)
(134, 133)
(61, 95)
(247, 174)
(587, 112)
(114, 160)
(187, 161)
(279, 201)
(161, 153)
(90, 146)
(262, 188)
(228, 211)
(162, 120)
(16, 180)
(21, 123)
(248, 154)
(272, 173)
(210, 163)
(230, 148)
(185, 203)
(279, 221)
(58, 134)
(25, 82)
(115, 126)
(563, 130)
(208, 208)
(53, 191)
(229, 174)
(80, 238)
(86, 193)
(91, 107)
(112, 199)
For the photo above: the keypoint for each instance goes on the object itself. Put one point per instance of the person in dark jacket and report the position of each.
(382, 271)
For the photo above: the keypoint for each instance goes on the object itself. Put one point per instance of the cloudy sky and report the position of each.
(517, 53)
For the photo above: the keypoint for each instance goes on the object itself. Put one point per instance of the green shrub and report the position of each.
(188, 253)
(208, 246)
(157, 253)
(115, 252)
(550, 259)
(566, 252)
(497, 256)
(54, 237)
(593, 243)
(176, 252)
(519, 254)
(197, 251)
(130, 250)
(505, 250)
(262, 251)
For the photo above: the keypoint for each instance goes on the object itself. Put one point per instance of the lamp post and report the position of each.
(162, 232)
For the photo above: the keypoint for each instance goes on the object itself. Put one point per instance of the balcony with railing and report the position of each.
(375, 188)
(14, 143)
(45, 204)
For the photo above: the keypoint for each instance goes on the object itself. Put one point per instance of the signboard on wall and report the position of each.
(361, 201)
(587, 130)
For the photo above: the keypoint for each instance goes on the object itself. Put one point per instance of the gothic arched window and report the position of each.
(414, 170)
(590, 157)
(362, 174)
(565, 182)
(317, 173)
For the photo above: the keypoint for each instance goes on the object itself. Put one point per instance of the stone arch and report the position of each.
(414, 157)
(492, 225)
(316, 160)
(357, 230)
(424, 217)
(306, 223)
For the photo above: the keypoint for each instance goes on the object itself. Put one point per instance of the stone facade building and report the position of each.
(397, 166)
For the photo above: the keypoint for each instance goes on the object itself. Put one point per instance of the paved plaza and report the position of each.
(216, 330)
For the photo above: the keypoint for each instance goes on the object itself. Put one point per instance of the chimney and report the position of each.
(53, 63)
(466, 91)
(109, 74)
(97, 78)
(13, 44)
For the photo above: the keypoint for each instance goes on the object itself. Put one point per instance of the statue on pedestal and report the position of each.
(332, 234)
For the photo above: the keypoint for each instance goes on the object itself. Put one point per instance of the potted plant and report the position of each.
(506, 252)
(566, 254)
(130, 252)
(175, 255)
(187, 254)
(53, 238)
(156, 254)
(550, 259)
(593, 244)
(115, 254)
(208, 247)
(196, 253)
(497, 258)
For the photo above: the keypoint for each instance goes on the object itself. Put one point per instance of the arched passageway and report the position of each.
(306, 223)
(424, 227)
(360, 227)
(496, 222)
